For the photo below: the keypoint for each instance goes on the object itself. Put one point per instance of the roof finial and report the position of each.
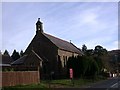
(38, 19)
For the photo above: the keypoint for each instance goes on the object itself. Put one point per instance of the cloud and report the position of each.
(113, 45)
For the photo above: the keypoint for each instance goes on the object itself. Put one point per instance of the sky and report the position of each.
(89, 23)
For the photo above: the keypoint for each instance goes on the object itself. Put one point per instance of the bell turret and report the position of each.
(39, 26)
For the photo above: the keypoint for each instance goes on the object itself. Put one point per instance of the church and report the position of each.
(48, 52)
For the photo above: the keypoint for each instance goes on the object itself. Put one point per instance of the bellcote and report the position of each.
(39, 26)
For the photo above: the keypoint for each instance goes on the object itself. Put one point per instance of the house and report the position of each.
(114, 59)
(31, 59)
(52, 51)
(5, 59)
(5, 62)
(27, 62)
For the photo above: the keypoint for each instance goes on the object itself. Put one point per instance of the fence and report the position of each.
(19, 68)
(20, 78)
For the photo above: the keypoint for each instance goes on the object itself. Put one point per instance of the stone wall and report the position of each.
(64, 55)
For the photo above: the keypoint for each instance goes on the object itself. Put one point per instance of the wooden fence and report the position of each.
(20, 68)
(20, 78)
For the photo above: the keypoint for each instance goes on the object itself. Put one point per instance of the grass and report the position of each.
(63, 83)
(75, 83)
(24, 87)
(71, 83)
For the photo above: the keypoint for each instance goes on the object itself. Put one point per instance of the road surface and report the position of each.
(110, 84)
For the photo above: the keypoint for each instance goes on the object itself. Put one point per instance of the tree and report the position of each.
(73, 63)
(99, 53)
(84, 48)
(15, 55)
(99, 50)
(89, 65)
(83, 66)
(89, 52)
(94, 68)
(6, 53)
(21, 53)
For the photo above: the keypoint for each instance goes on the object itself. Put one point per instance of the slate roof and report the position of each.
(62, 44)
(24, 58)
(20, 60)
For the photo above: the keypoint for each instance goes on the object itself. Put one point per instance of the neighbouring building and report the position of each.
(48, 52)
(5, 62)
(114, 59)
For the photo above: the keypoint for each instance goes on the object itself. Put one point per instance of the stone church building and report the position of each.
(48, 52)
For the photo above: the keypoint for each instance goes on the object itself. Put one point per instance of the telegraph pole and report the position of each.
(117, 70)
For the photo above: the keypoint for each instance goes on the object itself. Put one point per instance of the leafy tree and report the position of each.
(90, 68)
(15, 55)
(83, 66)
(6, 53)
(90, 64)
(89, 52)
(99, 50)
(99, 53)
(72, 63)
(84, 48)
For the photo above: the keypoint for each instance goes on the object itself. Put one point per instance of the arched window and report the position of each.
(59, 64)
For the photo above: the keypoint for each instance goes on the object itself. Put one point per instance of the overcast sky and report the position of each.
(89, 23)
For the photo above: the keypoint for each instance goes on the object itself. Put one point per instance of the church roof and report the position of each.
(62, 44)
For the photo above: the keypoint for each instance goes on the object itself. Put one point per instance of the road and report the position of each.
(110, 84)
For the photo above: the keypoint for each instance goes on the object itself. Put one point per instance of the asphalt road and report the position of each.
(110, 84)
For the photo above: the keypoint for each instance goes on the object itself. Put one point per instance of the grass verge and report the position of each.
(63, 83)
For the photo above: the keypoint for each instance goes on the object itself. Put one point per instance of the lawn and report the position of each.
(67, 83)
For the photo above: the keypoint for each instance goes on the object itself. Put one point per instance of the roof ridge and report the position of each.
(37, 55)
